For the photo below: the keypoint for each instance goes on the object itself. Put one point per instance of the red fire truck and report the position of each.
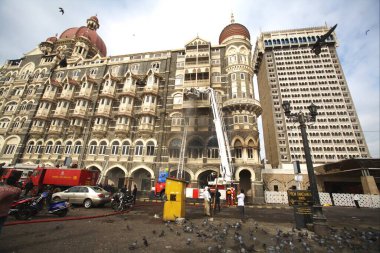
(63, 178)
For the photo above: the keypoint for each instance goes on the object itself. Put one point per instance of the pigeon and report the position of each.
(128, 227)
(366, 32)
(145, 242)
(133, 246)
(188, 242)
(61, 10)
(154, 232)
(162, 233)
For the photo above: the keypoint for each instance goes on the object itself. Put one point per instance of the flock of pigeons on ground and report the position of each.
(216, 237)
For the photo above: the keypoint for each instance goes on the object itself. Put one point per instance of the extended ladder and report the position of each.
(180, 174)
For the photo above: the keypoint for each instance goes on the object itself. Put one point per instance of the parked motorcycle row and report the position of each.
(26, 208)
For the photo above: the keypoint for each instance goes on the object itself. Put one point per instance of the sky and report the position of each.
(150, 25)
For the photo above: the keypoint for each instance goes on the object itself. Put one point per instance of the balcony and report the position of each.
(100, 129)
(66, 96)
(196, 103)
(102, 112)
(60, 114)
(125, 111)
(55, 129)
(248, 104)
(151, 90)
(80, 113)
(37, 130)
(122, 128)
(108, 94)
(42, 114)
(84, 95)
(145, 128)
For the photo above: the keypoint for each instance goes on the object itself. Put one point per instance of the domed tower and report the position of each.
(240, 104)
(83, 41)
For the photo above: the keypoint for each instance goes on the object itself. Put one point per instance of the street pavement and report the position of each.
(264, 229)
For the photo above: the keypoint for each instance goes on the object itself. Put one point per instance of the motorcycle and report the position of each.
(23, 209)
(121, 201)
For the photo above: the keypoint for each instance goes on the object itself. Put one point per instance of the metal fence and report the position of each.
(337, 199)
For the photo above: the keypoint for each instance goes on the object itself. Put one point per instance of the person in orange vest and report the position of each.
(233, 195)
(228, 196)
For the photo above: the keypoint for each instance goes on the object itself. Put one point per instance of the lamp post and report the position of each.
(319, 220)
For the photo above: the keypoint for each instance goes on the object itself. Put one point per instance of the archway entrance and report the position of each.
(115, 177)
(205, 177)
(187, 178)
(245, 182)
(142, 179)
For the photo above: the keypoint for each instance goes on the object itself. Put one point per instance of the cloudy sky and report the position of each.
(149, 25)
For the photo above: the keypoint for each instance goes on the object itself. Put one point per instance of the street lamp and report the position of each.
(319, 219)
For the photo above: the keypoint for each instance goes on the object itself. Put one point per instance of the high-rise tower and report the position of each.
(287, 70)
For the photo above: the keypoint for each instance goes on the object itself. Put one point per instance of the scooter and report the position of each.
(23, 209)
(121, 201)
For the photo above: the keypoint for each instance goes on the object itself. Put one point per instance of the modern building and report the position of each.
(288, 70)
(66, 103)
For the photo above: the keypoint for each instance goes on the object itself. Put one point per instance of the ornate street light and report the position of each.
(319, 219)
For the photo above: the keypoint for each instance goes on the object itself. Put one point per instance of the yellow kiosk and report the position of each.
(174, 206)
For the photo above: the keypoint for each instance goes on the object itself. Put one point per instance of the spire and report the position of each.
(93, 23)
(232, 18)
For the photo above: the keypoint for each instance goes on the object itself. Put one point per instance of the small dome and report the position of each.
(234, 29)
(52, 39)
(88, 32)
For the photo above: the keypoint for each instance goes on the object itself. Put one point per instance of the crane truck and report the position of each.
(225, 177)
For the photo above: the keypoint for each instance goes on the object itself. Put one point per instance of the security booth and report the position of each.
(174, 206)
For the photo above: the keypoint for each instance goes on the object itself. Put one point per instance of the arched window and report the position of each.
(175, 148)
(103, 147)
(4, 123)
(93, 145)
(38, 147)
(213, 148)
(150, 148)
(125, 148)
(238, 149)
(57, 148)
(77, 147)
(177, 119)
(115, 148)
(177, 100)
(179, 80)
(195, 149)
(68, 147)
(251, 144)
(30, 147)
(139, 148)
(49, 145)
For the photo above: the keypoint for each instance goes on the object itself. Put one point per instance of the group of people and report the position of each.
(208, 203)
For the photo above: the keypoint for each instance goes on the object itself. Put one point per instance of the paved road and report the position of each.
(116, 233)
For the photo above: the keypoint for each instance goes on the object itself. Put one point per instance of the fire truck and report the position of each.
(20, 171)
(224, 177)
(62, 177)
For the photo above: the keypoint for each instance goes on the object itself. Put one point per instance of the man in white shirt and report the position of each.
(207, 200)
(240, 199)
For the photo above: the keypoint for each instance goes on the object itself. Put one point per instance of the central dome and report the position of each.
(232, 30)
(88, 32)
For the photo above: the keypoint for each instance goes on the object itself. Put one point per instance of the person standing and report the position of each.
(240, 199)
(28, 186)
(8, 193)
(228, 196)
(207, 199)
(356, 200)
(217, 200)
(233, 195)
(134, 194)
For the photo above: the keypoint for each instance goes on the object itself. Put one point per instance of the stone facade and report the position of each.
(67, 104)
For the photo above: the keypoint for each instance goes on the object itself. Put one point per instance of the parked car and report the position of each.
(88, 196)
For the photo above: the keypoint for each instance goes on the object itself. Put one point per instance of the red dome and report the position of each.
(234, 29)
(86, 32)
(51, 39)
